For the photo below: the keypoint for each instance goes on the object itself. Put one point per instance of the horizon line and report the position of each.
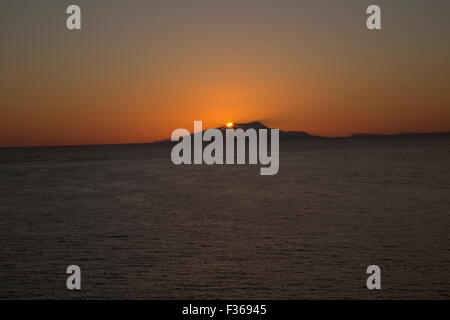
(352, 135)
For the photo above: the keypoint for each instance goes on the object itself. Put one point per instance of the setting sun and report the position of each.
(229, 124)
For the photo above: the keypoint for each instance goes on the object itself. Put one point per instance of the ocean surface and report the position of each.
(140, 227)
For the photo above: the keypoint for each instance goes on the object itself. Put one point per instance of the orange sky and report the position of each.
(137, 71)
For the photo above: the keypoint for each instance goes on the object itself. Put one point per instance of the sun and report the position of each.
(230, 124)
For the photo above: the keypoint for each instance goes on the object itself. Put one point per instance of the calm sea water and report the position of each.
(140, 227)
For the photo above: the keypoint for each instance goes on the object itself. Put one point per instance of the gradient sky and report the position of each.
(140, 69)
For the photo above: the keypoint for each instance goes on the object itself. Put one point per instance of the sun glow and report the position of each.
(229, 124)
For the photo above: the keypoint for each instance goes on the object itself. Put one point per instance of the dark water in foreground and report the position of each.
(140, 227)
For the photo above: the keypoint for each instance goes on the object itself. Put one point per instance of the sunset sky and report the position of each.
(140, 69)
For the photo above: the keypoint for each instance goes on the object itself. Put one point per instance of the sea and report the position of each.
(140, 227)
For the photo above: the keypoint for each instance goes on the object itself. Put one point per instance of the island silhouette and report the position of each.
(303, 135)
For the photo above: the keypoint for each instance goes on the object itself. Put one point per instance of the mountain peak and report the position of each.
(256, 125)
(244, 126)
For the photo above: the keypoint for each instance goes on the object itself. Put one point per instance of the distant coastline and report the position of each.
(284, 135)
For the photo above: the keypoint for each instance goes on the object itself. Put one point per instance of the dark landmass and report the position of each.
(302, 135)
(291, 136)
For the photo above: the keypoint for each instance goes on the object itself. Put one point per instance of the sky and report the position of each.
(140, 69)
